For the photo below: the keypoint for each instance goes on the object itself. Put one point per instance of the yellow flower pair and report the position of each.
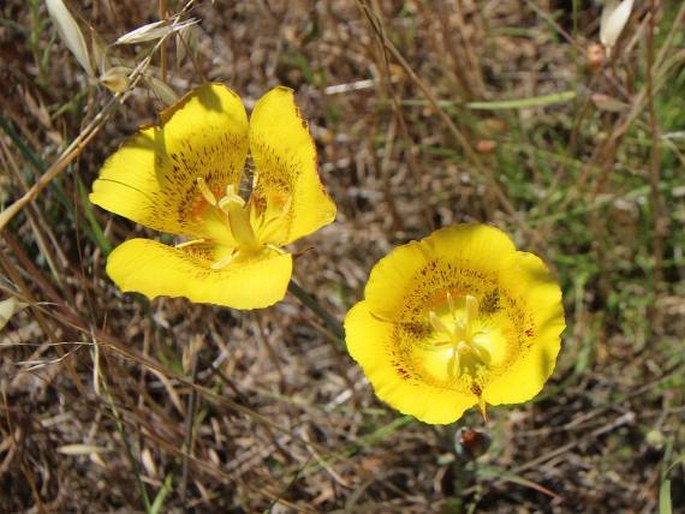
(457, 320)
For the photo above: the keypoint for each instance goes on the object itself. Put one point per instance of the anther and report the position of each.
(190, 243)
(471, 308)
(223, 262)
(437, 323)
(231, 199)
(205, 191)
(450, 302)
(457, 331)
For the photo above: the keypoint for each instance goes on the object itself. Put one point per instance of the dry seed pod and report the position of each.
(486, 145)
(594, 56)
(608, 103)
(160, 89)
(116, 79)
(471, 444)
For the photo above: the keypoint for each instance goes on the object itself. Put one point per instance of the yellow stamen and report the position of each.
(471, 310)
(223, 262)
(482, 407)
(232, 208)
(450, 304)
(205, 191)
(190, 243)
(437, 322)
(457, 331)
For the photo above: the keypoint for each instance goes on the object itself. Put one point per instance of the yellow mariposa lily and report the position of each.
(457, 320)
(184, 177)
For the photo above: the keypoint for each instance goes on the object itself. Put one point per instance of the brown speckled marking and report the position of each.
(428, 291)
(403, 373)
(490, 302)
(177, 172)
(276, 176)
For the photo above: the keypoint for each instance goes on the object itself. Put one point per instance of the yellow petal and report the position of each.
(481, 247)
(459, 259)
(533, 359)
(152, 178)
(154, 269)
(375, 347)
(288, 198)
(393, 278)
(531, 279)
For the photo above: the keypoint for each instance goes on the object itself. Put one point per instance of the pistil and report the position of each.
(458, 332)
(233, 208)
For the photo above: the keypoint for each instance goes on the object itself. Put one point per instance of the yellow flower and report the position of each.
(184, 178)
(456, 320)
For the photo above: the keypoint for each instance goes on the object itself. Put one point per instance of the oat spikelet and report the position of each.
(70, 33)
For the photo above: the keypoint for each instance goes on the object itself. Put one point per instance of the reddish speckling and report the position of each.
(439, 298)
(403, 373)
(198, 206)
(475, 389)
(529, 332)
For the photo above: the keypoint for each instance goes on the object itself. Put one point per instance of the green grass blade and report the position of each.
(524, 103)
(164, 491)
(96, 233)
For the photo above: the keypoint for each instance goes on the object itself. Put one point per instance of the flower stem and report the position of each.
(329, 321)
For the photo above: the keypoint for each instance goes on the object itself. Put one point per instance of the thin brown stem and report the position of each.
(371, 13)
(456, 132)
(163, 12)
(658, 220)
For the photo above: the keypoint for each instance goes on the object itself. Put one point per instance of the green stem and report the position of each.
(312, 304)
(133, 462)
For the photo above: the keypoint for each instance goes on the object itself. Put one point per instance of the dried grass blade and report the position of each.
(81, 449)
(9, 308)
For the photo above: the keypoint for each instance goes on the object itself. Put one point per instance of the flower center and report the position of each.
(233, 209)
(458, 338)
